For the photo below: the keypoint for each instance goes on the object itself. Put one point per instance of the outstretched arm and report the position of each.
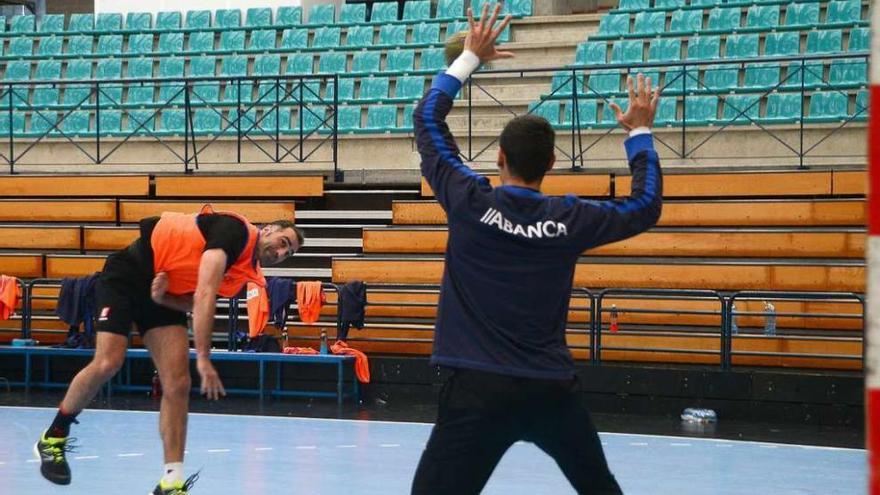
(211, 270)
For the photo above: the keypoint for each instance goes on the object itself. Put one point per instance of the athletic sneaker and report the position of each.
(177, 488)
(53, 461)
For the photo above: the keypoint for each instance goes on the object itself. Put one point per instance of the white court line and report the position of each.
(368, 421)
(84, 457)
(769, 446)
(724, 445)
(218, 451)
(260, 449)
(346, 446)
(307, 447)
(639, 444)
(133, 454)
(389, 445)
(32, 460)
(675, 444)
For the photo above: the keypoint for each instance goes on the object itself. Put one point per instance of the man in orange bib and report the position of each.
(180, 264)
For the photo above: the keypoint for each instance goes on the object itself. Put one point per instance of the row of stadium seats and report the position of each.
(234, 41)
(172, 122)
(709, 47)
(222, 19)
(646, 5)
(839, 13)
(776, 108)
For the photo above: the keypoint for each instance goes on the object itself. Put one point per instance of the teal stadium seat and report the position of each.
(383, 12)
(167, 21)
(258, 17)
(300, 64)
(205, 91)
(721, 78)
(741, 109)
(666, 112)
(859, 40)
(591, 53)
(629, 51)
(802, 15)
(603, 83)
(425, 33)
(366, 62)
(742, 46)
(227, 19)
(704, 47)
(46, 96)
(232, 41)
(322, 14)
(564, 83)
(198, 19)
(450, 9)
(814, 75)
(77, 70)
(272, 123)
(608, 117)
(400, 61)
(288, 16)
(861, 112)
(614, 25)
(634, 5)
(353, 13)
(173, 122)
(349, 119)
(588, 111)
(848, 74)
(245, 121)
(312, 119)
(407, 125)
(432, 60)
(201, 42)
(140, 44)
(262, 40)
(309, 89)
(110, 70)
(52, 24)
(724, 19)
(139, 22)
(761, 76)
(21, 47)
(326, 37)
(844, 13)
(43, 122)
(50, 46)
(108, 22)
(359, 37)
(294, 39)
(455, 27)
(782, 44)
(700, 110)
(111, 123)
(829, 106)
(373, 89)
(381, 118)
(170, 43)
(140, 94)
(17, 129)
(392, 35)
(22, 24)
(783, 108)
(686, 22)
(825, 41)
(762, 17)
(141, 121)
(76, 123)
(409, 88)
(650, 23)
(705, 3)
(668, 4)
(81, 23)
(419, 10)
(346, 90)
(664, 50)
(332, 63)
(236, 66)
(206, 121)
(171, 67)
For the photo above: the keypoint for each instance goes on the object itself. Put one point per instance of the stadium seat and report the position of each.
(548, 109)
(682, 80)
(227, 18)
(825, 41)
(450, 9)
(232, 41)
(310, 90)
(46, 96)
(848, 73)
(454, 27)
(349, 119)
(108, 22)
(742, 46)
(346, 90)
(650, 23)
(266, 65)
(407, 125)
(262, 40)
(588, 111)
(762, 17)
(829, 106)
(321, 14)
(270, 122)
(332, 63)
(171, 67)
(359, 36)
(861, 112)
(668, 4)
(802, 15)
(859, 40)
(18, 119)
(52, 23)
(705, 3)
(198, 19)
(409, 88)
(591, 53)
(666, 112)
(76, 123)
(373, 89)
(721, 78)
(700, 110)
(366, 62)
(326, 37)
(782, 44)
(109, 70)
(50, 46)
(170, 43)
(140, 44)
(205, 91)
(294, 39)
(614, 25)
(21, 47)
(392, 35)
(381, 118)
(312, 119)
(704, 47)
(81, 23)
(761, 76)
(288, 16)
(43, 122)
(139, 22)
(739, 108)
(400, 61)
(426, 33)
(844, 13)
(140, 68)
(686, 22)
(206, 121)
(201, 42)
(563, 83)
(629, 51)
(235, 66)
(77, 70)
(634, 5)
(22, 24)
(173, 122)
(140, 94)
(258, 17)
(432, 60)
(141, 121)
(384, 12)
(167, 21)
(814, 75)
(664, 50)
(603, 83)
(110, 123)
(300, 63)
(245, 121)
(352, 13)
(724, 19)
(417, 10)
(783, 108)
(608, 117)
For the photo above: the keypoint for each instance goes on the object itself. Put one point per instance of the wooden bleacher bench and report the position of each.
(67, 210)
(109, 238)
(227, 186)
(132, 211)
(587, 185)
(38, 237)
(755, 213)
(62, 265)
(21, 265)
(849, 182)
(83, 186)
(715, 275)
(794, 244)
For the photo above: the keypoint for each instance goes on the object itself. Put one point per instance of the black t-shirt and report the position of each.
(220, 232)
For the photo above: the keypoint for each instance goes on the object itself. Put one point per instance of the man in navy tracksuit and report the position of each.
(510, 262)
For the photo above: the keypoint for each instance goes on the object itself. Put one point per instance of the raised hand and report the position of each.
(481, 35)
(642, 104)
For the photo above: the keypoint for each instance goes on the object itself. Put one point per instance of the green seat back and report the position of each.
(802, 14)
(614, 24)
(417, 10)
(432, 60)
(603, 82)
(322, 14)
(108, 22)
(848, 73)
(634, 5)
(742, 46)
(206, 121)
(686, 21)
(234, 65)
(450, 9)
(844, 12)
(383, 12)
(139, 21)
(564, 83)
(588, 112)
(173, 121)
(50, 46)
(400, 61)
(392, 35)
(326, 37)
(591, 53)
(21, 47)
(288, 16)
(140, 44)
(109, 44)
(704, 47)
(739, 108)
(171, 67)
(43, 121)
(381, 118)
(722, 78)
(359, 36)
(170, 43)
(232, 41)
(373, 89)
(227, 18)
(300, 63)
(426, 33)
(628, 51)
(783, 107)
(763, 16)
(52, 23)
(76, 123)
(293, 39)
(267, 65)
(262, 40)
(830, 105)
(140, 68)
(18, 119)
(166, 21)
(349, 118)
(825, 41)
(859, 40)
(353, 13)
(366, 62)
(700, 110)
(761, 76)
(667, 112)
(407, 118)
(81, 23)
(22, 24)
(648, 23)
(782, 44)
(201, 42)
(141, 121)
(409, 88)
(80, 45)
(664, 49)
(346, 90)
(725, 18)
(198, 19)
(332, 63)
(258, 17)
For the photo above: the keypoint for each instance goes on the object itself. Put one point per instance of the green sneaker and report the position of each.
(177, 488)
(53, 460)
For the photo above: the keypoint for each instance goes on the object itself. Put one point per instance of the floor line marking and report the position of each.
(218, 451)
(131, 454)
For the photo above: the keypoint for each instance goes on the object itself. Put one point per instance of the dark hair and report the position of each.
(528, 142)
(287, 224)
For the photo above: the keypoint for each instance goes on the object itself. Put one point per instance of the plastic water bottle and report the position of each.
(734, 328)
(324, 348)
(769, 318)
(696, 415)
(614, 326)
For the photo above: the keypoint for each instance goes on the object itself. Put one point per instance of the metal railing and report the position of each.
(677, 73)
(276, 93)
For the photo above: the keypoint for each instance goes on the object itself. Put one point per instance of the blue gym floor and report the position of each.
(120, 453)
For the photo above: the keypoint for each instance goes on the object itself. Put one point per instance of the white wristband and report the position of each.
(465, 65)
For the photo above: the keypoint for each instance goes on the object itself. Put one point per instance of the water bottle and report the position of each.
(734, 328)
(696, 415)
(156, 386)
(324, 348)
(769, 318)
(614, 326)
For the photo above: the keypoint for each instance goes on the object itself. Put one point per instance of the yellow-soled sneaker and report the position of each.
(52, 453)
(176, 488)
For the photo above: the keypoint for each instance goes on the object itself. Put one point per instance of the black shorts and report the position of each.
(123, 297)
